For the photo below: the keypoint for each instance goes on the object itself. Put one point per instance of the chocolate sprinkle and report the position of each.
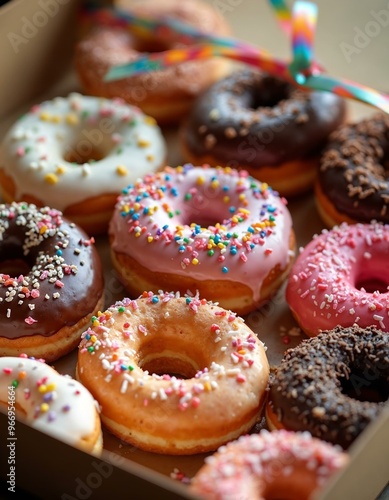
(308, 389)
(353, 170)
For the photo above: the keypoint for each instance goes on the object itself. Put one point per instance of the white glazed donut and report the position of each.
(52, 403)
(76, 154)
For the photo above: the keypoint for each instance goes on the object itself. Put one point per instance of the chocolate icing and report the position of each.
(353, 172)
(61, 259)
(257, 120)
(308, 388)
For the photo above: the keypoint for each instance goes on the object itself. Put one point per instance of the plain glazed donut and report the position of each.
(332, 385)
(341, 278)
(128, 357)
(268, 465)
(263, 125)
(52, 403)
(352, 185)
(76, 154)
(51, 281)
(166, 95)
(216, 231)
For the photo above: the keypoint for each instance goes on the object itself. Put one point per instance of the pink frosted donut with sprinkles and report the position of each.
(165, 368)
(212, 230)
(279, 464)
(76, 153)
(52, 403)
(341, 278)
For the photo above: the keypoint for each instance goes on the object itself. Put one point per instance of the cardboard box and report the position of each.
(36, 47)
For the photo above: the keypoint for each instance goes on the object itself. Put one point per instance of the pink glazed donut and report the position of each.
(215, 231)
(341, 278)
(277, 464)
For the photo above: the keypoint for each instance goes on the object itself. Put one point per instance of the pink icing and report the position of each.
(204, 222)
(342, 278)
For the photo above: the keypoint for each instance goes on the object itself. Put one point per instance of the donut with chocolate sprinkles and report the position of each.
(332, 385)
(352, 185)
(264, 125)
(51, 281)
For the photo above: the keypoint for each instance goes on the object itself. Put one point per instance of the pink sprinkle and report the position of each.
(34, 293)
(59, 284)
(20, 152)
(240, 378)
(106, 112)
(23, 355)
(268, 251)
(243, 257)
(142, 329)
(145, 402)
(7, 371)
(30, 321)
(195, 402)
(27, 393)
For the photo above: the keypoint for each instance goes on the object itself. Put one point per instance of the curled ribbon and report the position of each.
(299, 24)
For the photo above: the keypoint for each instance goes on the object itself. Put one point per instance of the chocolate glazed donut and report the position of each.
(50, 281)
(264, 125)
(332, 385)
(352, 184)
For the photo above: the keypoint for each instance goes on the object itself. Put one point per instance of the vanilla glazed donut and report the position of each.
(264, 125)
(165, 369)
(76, 154)
(341, 278)
(216, 231)
(51, 282)
(352, 184)
(166, 95)
(333, 385)
(49, 402)
(276, 464)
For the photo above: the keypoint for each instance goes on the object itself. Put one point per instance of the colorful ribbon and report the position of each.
(299, 24)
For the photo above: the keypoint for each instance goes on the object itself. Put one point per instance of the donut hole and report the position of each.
(13, 262)
(169, 358)
(269, 93)
(89, 147)
(366, 385)
(371, 284)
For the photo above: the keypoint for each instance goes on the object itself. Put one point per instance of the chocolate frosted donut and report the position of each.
(50, 282)
(332, 385)
(264, 125)
(352, 184)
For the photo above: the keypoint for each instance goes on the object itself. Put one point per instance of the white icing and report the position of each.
(37, 143)
(74, 414)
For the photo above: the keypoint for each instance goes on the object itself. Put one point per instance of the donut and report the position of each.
(216, 231)
(76, 154)
(168, 94)
(264, 125)
(352, 184)
(332, 385)
(277, 464)
(51, 281)
(49, 402)
(164, 368)
(341, 278)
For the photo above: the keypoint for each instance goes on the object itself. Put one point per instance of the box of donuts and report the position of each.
(190, 255)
